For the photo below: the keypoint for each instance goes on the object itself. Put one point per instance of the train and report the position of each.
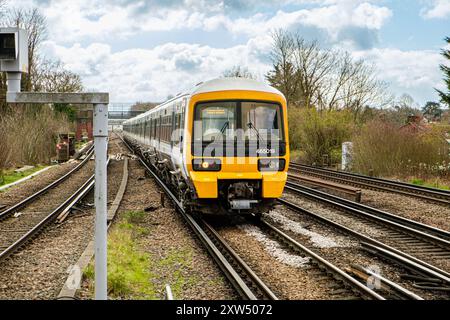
(221, 147)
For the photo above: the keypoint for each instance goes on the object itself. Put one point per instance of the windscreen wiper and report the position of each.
(225, 126)
(252, 126)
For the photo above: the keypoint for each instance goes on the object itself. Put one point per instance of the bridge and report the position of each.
(120, 112)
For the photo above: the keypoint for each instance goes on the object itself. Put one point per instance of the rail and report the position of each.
(13, 209)
(425, 193)
(41, 224)
(249, 286)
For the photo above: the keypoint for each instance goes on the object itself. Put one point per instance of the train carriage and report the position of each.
(223, 147)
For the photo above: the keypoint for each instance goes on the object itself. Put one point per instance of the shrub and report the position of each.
(28, 135)
(390, 150)
(319, 134)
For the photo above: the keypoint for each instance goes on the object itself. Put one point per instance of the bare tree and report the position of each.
(310, 76)
(239, 72)
(283, 76)
(144, 106)
(406, 101)
(50, 76)
(313, 67)
(364, 89)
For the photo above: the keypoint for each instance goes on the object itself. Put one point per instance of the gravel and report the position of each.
(362, 227)
(289, 279)
(274, 248)
(40, 270)
(419, 210)
(317, 239)
(346, 254)
(29, 187)
(168, 236)
(332, 214)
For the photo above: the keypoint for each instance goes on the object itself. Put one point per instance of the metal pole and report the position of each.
(101, 232)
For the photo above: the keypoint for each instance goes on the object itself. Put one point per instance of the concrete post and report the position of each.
(101, 192)
(347, 156)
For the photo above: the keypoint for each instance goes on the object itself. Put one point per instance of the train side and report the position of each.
(223, 147)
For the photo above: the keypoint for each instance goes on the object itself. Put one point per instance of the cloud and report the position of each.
(153, 74)
(84, 35)
(415, 72)
(439, 9)
(349, 21)
(84, 20)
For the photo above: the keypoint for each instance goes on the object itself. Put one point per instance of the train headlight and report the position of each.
(207, 165)
(271, 165)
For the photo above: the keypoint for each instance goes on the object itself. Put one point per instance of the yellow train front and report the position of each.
(232, 154)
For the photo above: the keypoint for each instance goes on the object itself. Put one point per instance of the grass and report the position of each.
(430, 184)
(296, 155)
(178, 261)
(10, 176)
(129, 275)
(134, 274)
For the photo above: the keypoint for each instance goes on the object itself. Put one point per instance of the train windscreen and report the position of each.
(250, 127)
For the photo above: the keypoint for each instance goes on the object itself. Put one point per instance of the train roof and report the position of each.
(221, 84)
(226, 84)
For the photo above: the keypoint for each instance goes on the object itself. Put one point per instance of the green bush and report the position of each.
(390, 150)
(315, 135)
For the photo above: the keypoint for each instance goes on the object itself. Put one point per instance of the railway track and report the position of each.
(404, 248)
(429, 194)
(23, 221)
(9, 211)
(417, 240)
(340, 284)
(245, 281)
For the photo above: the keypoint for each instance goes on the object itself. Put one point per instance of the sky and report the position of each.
(146, 50)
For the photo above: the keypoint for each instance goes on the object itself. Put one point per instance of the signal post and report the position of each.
(14, 61)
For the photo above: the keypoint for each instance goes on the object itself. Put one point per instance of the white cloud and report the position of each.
(153, 74)
(438, 9)
(102, 20)
(413, 72)
(340, 22)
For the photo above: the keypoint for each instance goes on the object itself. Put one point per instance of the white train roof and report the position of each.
(226, 84)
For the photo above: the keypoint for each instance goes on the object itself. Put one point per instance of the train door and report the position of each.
(173, 127)
(159, 131)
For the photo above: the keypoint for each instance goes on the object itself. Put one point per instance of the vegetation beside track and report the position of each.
(29, 133)
(9, 176)
(436, 183)
(129, 275)
(333, 98)
(133, 273)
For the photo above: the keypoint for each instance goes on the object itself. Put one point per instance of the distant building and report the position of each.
(415, 124)
(84, 123)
